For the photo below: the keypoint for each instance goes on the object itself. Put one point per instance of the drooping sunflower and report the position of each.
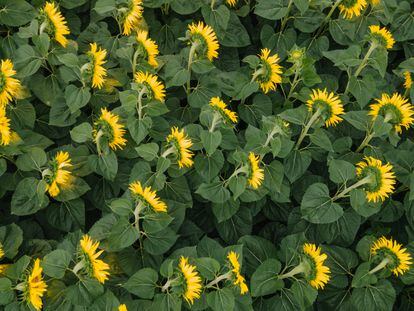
(95, 267)
(399, 259)
(239, 280)
(122, 307)
(108, 126)
(58, 176)
(182, 144)
(231, 3)
(270, 71)
(351, 8)
(328, 104)
(192, 280)
(382, 36)
(319, 275)
(256, 174)
(382, 178)
(132, 17)
(147, 196)
(395, 109)
(220, 106)
(155, 88)
(408, 81)
(150, 48)
(56, 23)
(98, 70)
(9, 86)
(206, 40)
(5, 131)
(35, 287)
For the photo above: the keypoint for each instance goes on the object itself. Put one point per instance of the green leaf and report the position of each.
(104, 7)
(271, 9)
(296, 164)
(360, 204)
(265, 280)
(380, 297)
(159, 242)
(184, 7)
(105, 165)
(77, 98)
(359, 119)
(363, 90)
(341, 171)
(274, 173)
(148, 151)
(56, 262)
(27, 61)
(143, 283)
(362, 278)
(226, 210)
(32, 161)
(317, 206)
(6, 292)
(122, 235)
(121, 206)
(28, 197)
(296, 115)
(320, 138)
(238, 185)
(81, 133)
(214, 192)
(208, 267)
(208, 166)
(221, 299)
(11, 237)
(210, 140)
(16, 12)
(84, 292)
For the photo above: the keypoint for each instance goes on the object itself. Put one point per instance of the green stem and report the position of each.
(193, 49)
(218, 279)
(327, 18)
(358, 184)
(134, 62)
(97, 141)
(286, 18)
(371, 49)
(381, 265)
(213, 2)
(214, 122)
(305, 130)
(137, 211)
(139, 102)
(365, 142)
(168, 152)
(243, 169)
(257, 73)
(296, 270)
(294, 82)
(78, 267)
(168, 284)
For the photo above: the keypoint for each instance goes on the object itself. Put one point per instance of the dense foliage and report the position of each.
(206, 155)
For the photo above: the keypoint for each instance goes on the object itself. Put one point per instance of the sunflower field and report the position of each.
(206, 155)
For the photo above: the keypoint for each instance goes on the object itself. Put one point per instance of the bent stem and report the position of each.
(244, 169)
(98, 141)
(168, 284)
(370, 135)
(258, 73)
(213, 2)
(137, 211)
(364, 62)
(139, 102)
(305, 130)
(295, 82)
(218, 279)
(296, 270)
(134, 62)
(381, 265)
(214, 122)
(358, 184)
(168, 152)
(193, 49)
(80, 265)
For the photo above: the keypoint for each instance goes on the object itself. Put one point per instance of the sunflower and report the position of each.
(147, 197)
(108, 126)
(269, 74)
(329, 106)
(231, 3)
(382, 179)
(95, 267)
(408, 81)
(122, 307)
(181, 144)
(149, 46)
(132, 17)
(56, 23)
(351, 8)
(9, 86)
(35, 287)
(5, 131)
(205, 38)
(398, 258)
(319, 275)
(98, 59)
(382, 36)
(58, 176)
(256, 174)
(239, 280)
(155, 88)
(396, 110)
(218, 105)
(192, 280)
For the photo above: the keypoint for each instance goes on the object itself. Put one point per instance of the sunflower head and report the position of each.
(58, 176)
(395, 109)
(231, 3)
(328, 104)
(34, 287)
(238, 279)
(317, 273)
(89, 255)
(131, 16)
(381, 178)
(381, 36)
(122, 307)
(5, 131)
(269, 73)
(181, 145)
(148, 47)
(147, 197)
(192, 281)
(109, 128)
(351, 8)
(408, 81)
(97, 56)
(154, 88)
(256, 174)
(55, 23)
(399, 259)
(206, 40)
(220, 106)
(9, 87)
